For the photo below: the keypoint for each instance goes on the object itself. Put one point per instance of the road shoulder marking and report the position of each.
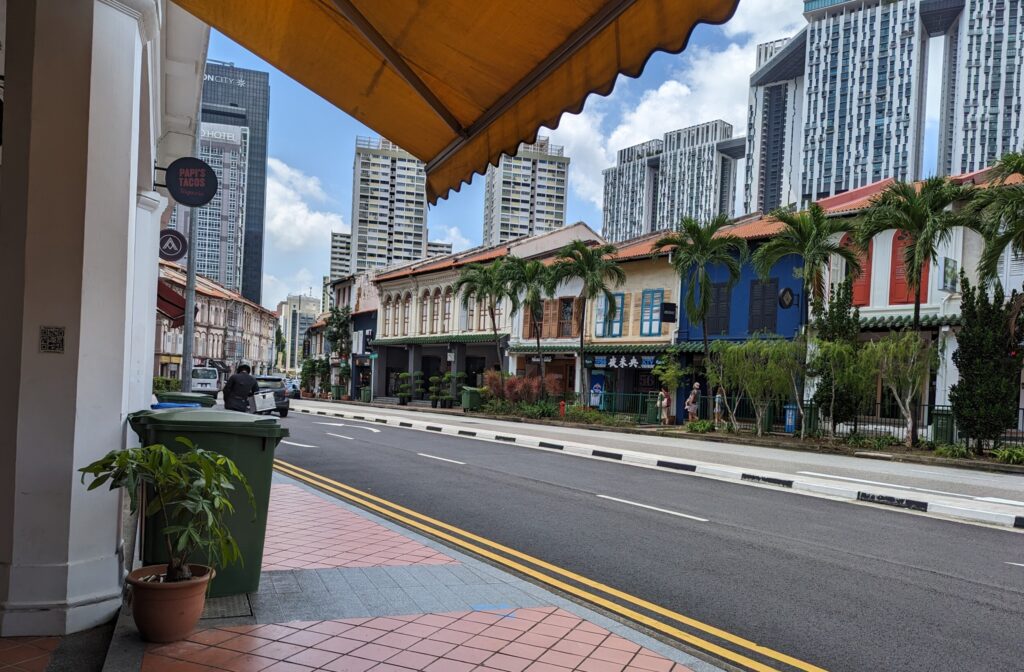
(443, 459)
(341, 436)
(297, 445)
(654, 508)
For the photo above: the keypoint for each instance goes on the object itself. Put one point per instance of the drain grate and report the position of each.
(232, 606)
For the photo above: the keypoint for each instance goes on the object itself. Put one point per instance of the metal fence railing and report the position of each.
(637, 408)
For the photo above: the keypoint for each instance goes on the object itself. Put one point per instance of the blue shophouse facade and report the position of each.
(752, 305)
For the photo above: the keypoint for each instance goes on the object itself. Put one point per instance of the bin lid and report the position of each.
(208, 420)
(183, 395)
(174, 404)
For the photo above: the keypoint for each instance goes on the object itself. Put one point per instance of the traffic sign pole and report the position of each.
(190, 306)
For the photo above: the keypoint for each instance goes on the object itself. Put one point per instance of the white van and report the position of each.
(206, 379)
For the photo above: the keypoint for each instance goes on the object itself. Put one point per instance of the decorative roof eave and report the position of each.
(889, 322)
(439, 339)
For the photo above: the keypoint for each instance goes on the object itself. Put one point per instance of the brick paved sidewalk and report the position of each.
(346, 591)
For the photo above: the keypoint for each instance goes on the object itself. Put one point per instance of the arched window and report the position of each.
(424, 311)
(396, 316)
(470, 315)
(497, 315)
(386, 324)
(861, 286)
(435, 311)
(446, 323)
(481, 316)
(900, 291)
(406, 309)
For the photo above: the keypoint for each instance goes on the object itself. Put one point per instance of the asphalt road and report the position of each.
(844, 469)
(839, 585)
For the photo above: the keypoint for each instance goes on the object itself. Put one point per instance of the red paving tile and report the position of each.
(340, 539)
(519, 640)
(26, 654)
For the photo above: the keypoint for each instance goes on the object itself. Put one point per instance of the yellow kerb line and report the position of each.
(321, 481)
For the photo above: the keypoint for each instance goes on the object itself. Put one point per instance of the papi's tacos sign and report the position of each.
(191, 181)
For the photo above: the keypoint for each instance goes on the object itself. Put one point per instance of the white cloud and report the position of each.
(451, 234)
(292, 223)
(277, 289)
(710, 83)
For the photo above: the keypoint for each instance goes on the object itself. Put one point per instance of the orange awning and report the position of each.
(458, 82)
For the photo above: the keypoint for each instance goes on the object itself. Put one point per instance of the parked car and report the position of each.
(277, 385)
(206, 379)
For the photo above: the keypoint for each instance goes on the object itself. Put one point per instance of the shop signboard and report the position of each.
(624, 361)
(668, 313)
(191, 181)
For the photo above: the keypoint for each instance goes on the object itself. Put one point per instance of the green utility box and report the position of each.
(653, 413)
(249, 441)
(336, 392)
(944, 427)
(471, 400)
(201, 398)
(365, 394)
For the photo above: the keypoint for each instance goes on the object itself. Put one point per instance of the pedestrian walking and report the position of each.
(664, 403)
(239, 389)
(691, 402)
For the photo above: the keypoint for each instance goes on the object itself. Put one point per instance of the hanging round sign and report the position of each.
(786, 298)
(173, 245)
(191, 181)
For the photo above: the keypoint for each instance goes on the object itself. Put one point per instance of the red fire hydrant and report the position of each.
(561, 408)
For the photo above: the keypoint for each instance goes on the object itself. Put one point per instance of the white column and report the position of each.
(76, 246)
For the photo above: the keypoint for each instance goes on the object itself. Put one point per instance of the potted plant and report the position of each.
(446, 388)
(189, 492)
(404, 389)
(417, 384)
(344, 376)
(435, 388)
(460, 383)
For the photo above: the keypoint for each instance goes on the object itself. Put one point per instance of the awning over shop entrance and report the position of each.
(458, 82)
(170, 304)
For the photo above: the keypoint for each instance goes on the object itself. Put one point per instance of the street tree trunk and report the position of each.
(915, 404)
(707, 348)
(497, 348)
(583, 366)
(540, 354)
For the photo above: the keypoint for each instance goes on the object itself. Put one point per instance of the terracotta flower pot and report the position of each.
(168, 612)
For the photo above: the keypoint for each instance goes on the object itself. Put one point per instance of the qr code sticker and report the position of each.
(51, 339)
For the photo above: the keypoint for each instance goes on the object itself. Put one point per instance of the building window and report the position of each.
(406, 309)
(607, 322)
(650, 312)
(424, 308)
(565, 315)
(718, 315)
(387, 317)
(764, 299)
(481, 316)
(435, 311)
(446, 323)
(470, 314)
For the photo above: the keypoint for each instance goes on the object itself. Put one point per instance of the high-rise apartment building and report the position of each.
(524, 194)
(389, 205)
(341, 254)
(984, 72)
(436, 248)
(241, 97)
(327, 299)
(864, 81)
(690, 172)
(220, 224)
(297, 313)
(775, 126)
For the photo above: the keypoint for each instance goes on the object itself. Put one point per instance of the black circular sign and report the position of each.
(786, 298)
(173, 245)
(191, 181)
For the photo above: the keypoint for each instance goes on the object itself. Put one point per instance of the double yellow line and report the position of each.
(505, 555)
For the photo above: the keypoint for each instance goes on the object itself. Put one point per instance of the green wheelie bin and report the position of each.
(201, 398)
(249, 441)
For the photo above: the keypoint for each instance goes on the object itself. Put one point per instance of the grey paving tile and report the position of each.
(402, 576)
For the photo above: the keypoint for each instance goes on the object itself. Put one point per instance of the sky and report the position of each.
(312, 143)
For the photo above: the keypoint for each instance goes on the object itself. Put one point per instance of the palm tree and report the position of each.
(812, 236)
(531, 281)
(923, 214)
(696, 248)
(486, 283)
(1001, 208)
(596, 267)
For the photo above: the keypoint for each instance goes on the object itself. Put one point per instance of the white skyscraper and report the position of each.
(985, 69)
(341, 254)
(775, 126)
(220, 224)
(865, 82)
(389, 205)
(436, 248)
(296, 314)
(688, 173)
(525, 194)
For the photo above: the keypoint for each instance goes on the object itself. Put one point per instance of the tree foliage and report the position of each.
(903, 361)
(1001, 207)
(989, 358)
(835, 360)
(531, 281)
(599, 273)
(487, 283)
(696, 249)
(754, 366)
(668, 371)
